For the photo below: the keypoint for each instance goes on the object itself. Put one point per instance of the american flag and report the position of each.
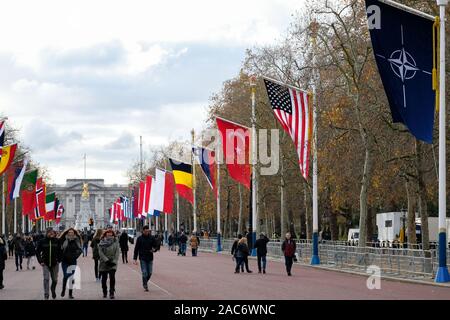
(293, 110)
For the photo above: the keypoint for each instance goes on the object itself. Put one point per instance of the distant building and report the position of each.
(101, 198)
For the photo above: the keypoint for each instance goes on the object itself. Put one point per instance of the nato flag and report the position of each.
(403, 47)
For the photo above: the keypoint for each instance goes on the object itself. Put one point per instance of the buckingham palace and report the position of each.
(101, 197)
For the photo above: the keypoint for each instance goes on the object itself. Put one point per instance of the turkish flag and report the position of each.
(236, 150)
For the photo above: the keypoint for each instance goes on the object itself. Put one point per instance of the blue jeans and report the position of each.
(183, 248)
(85, 249)
(146, 269)
(67, 275)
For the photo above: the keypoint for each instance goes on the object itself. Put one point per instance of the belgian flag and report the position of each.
(182, 173)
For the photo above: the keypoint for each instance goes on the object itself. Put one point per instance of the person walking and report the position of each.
(171, 241)
(3, 258)
(108, 250)
(194, 244)
(71, 248)
(85, 238)
(144, 249)
(261, 252)
(183, 241)
(95, 255)
(123, 241)
(19, 250)
(242, 252)
(288, 247)
(234, 251)
(11, 245)
(30, 252)
(48, 254)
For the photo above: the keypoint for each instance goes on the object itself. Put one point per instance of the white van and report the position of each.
(353, 236)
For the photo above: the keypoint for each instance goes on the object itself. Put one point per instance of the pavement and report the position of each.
(210, 276)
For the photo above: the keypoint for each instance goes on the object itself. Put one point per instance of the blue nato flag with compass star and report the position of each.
(403, 47)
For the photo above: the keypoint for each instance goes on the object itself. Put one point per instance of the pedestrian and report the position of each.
(261, 251)
(123, 241)
(144, 249)
(288, 247)
(71, 248)
(19, 251)
(109, 251)
(183, 240)
(94, 245)
(171, 241)
(242, 251)
(85, 238)
(30, 252)
(48, 254)
(194, 244)
(234, 251)
(3, 258)
(11, 245)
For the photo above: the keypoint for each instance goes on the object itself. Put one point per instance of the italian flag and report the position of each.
(50, 206)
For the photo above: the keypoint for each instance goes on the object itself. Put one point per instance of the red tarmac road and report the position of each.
(211, 276)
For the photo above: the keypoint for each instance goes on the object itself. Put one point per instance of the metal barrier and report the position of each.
(396, 262)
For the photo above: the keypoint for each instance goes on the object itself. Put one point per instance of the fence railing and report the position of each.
(404, 262)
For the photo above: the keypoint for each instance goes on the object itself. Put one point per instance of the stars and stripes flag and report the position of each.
(293, 109)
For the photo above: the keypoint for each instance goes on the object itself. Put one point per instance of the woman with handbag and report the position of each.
(71, 248)
(109, 251)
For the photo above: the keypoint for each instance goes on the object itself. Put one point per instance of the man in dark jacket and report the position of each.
(48, 254)
(3, 258)
(146, 244)
(183, 240)
(19, 250)
(261, 251)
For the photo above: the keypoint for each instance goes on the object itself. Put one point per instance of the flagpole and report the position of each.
(23, 223)
(442, 274)
(254, 209)
(193, 183)
(178, 213)
(315, 260)
(3, 207)
(217, 157)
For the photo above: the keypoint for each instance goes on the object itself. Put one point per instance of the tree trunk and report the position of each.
(282, 211)
(370, 226)
(228, 215)
(411, 222)
(333, 227)
(307, 218)
(422, 196)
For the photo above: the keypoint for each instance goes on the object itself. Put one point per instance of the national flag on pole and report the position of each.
(28, 193)
(50, 203)
(135, 201)
(59, 210)
(6, 157)
(147, 194)
(293, 109)
(236, 149)
(140, 209)
(403, 46)
(16, 179)
(2, 133)
(161, 199)
(182, 173)
(207, 161)
(39, 210)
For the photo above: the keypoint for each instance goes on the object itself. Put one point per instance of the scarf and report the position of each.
(106, 242)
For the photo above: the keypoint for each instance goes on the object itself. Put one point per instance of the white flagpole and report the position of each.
(194, 207)
(442, 274)
(15, 215)
(315, 255)
(217, 158)
(254, 160)
(23, 223)
(178, 213)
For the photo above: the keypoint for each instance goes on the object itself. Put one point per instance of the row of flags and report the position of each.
(36, 203)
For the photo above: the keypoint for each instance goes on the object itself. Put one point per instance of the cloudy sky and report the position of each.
(92, 76)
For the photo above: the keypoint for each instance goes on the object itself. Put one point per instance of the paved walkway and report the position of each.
(211, 276)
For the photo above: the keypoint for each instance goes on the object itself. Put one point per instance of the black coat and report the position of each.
(30, 249)
(183, 239)
(48, 251)
(123, 241)
(234, 247)
(19, 245)
(3, 256)
(242, 251)
(145, 245)
(261, 246)
(71, 252)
